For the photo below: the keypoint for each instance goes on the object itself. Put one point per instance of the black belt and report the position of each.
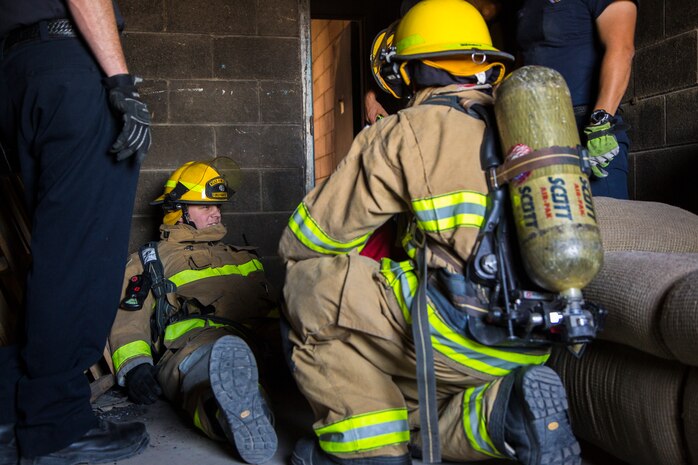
(55, 29)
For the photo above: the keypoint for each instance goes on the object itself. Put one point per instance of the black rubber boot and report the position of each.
(8, 445)
(536, 425)
(108, 442)
(243, 411)
(308, 452)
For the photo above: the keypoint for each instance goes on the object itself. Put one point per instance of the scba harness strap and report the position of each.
(161, 286)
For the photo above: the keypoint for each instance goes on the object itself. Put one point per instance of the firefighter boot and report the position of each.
(243, 413)
(8, 444)
(530, 420)
(108, 442)
(308, 452)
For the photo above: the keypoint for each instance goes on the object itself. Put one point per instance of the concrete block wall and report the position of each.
(324, 37)
(222, 78)
(661, 103)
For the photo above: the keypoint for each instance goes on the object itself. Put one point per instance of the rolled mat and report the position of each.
(632, 287)
(626, 402)
(679, 320)
(690, 417)
(645, 226)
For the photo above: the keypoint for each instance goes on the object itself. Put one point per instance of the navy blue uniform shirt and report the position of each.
(562, 35)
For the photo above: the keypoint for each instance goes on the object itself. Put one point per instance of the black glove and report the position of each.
(135, 135)
(141, 385)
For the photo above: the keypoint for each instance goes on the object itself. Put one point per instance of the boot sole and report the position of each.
(98, 457)
(234, 381)
(546, 406)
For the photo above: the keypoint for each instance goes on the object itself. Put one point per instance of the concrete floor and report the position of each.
(174, 442)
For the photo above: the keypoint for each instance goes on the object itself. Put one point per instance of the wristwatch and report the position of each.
(600, 117)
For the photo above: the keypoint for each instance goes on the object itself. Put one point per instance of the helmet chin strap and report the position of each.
(185, 217)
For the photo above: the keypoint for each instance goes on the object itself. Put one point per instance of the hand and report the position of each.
(602, 146)
(135, 134)
(141, 385)
(374, 110)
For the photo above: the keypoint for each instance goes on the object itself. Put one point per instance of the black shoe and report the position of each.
(8, 445)
(108, 442)
(308, 452)
(235, 384)
(537, 426)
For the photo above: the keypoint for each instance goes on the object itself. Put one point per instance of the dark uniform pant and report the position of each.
(56, 118)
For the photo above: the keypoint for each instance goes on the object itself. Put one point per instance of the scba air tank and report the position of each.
(552, 204)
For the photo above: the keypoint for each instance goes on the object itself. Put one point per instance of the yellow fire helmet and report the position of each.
(198, 183)
(445, 34)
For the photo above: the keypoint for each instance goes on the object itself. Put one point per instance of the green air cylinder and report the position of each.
(552, 205)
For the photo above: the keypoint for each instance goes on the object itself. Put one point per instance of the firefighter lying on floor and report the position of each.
(179, 330)
(350, 318)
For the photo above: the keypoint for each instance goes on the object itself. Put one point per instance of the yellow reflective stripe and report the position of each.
(450, 211)
(514, 359)
(179, 329)
(395, 273)
(310, 234)
(474, 423)
(130, 350)
(197, 419)
(189, 276)
(365, 432)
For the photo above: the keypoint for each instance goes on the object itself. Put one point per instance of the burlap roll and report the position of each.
(632, 286)
(626, 402)
(679, 319)
(690, 416)
(645, 226)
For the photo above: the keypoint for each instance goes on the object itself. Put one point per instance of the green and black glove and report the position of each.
(135, 134)
(601, 141)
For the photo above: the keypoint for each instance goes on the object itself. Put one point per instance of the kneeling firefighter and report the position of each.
(384, 352)
(192, 312)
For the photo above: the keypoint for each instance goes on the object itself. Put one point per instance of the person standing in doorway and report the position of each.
(591, 43)
(74, 121)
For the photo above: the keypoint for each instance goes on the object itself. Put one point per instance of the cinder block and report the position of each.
(213, 101)
(262, 230)
(247, 197)
(282, 190)
(278, 18)
(647, 123)
(264, 146)
(212, 16)
(144, 228)
(168, 56)
(256, 58)
(154, 94)
(681, 16)
(280, 102)
(150, 185)
(667, 66)
(175, 145)
(681, 121)
(668, 176)
(650, 22)
(143, 15)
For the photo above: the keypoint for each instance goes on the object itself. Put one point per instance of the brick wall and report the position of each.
(222, 78)
(325, 36)
(661, 104)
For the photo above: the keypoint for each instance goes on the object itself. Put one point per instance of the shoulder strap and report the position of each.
(161, 286)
